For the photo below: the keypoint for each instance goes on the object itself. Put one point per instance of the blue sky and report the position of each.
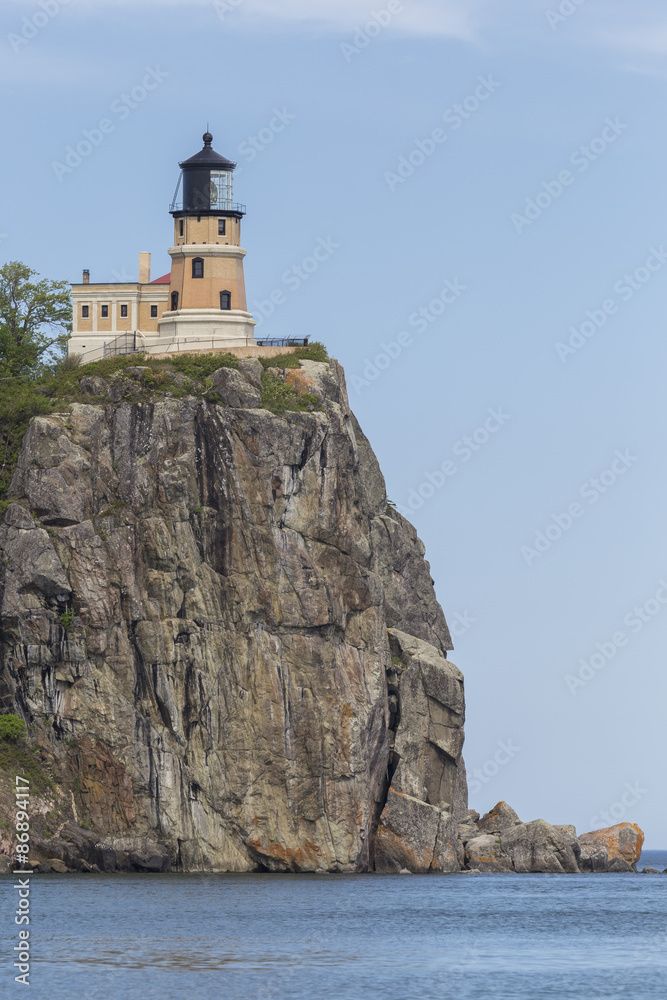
(490, 179)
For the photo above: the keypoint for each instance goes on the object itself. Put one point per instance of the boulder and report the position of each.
(53, 865)
(412, 835)
(147, 862)
(540, 847)
(234, 389)
(5, 864)
(94, 386)
(650, 871)
(522, 847)
(614, 849)
(485, 854)
(502, 817)
(252, 369)
(104, 858)
(86, 867)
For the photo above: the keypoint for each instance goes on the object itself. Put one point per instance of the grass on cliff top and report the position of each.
(21, 400)
(313, 352)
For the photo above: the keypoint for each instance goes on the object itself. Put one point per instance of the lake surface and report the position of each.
(288, 937)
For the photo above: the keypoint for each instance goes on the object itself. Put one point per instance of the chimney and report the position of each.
(144, 268)
(86, 277)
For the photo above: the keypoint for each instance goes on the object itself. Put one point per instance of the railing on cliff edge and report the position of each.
(126, 343)
(286, 342)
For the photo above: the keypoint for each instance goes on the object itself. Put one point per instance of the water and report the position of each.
(288, 937)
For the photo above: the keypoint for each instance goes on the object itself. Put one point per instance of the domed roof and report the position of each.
(207, 158)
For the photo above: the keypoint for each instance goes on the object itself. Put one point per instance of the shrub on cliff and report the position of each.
(12, 728)
(279, 396)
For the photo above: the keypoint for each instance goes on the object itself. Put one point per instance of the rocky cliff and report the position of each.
(225, 641)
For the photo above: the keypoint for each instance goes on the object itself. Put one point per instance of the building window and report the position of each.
(123, 312)
(222, 227)
(105, 312)
(225, 300)
(180, 226)
(174, 301)
(198, 267)
(153, 312)
(85, 312)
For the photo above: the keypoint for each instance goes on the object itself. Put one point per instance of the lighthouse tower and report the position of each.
(207, 299)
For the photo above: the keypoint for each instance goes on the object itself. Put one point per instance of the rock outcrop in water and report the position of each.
(226, 642)
(500, 842)
(614, 849)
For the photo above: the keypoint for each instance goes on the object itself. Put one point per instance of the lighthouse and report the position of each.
(207, 297)
(201, 303)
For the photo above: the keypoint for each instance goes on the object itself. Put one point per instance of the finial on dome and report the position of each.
(208, 138)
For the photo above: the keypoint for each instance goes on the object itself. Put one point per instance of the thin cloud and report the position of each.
(422, 17)
(598, 23)
(650, 39)
(448, 18)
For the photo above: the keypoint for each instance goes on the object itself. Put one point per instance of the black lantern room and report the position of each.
(208, 188)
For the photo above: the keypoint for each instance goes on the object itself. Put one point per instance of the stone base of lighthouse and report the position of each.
(204, 329)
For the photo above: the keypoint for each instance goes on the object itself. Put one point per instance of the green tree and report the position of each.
(35, 320)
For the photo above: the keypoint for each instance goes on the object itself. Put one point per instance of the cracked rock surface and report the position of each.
(228, 644)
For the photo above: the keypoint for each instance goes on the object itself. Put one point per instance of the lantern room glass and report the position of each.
(221, 190)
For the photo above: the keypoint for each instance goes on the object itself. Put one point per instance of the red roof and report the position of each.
(164, 280)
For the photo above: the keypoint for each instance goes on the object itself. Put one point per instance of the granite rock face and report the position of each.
(228, 645)
(428, 794)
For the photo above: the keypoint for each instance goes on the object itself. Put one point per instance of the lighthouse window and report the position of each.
(181, 227)
(198, 267)
(225, 300)
(220, 189)
(105, 312)
(174, 301)
(222, 227)
(85, 312)
(153, 312)
(123, 312)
